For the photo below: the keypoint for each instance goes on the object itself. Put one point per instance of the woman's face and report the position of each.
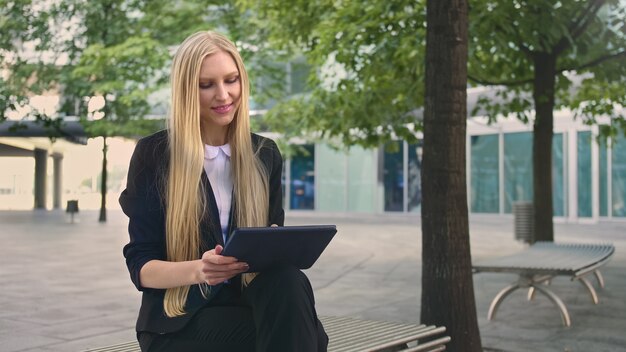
(220, 90)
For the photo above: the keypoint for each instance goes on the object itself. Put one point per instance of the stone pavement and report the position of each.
(65, 287)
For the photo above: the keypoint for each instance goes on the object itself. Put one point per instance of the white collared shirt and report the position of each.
(217, 168)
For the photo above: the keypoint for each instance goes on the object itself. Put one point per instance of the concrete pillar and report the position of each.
(41, 163)
(57, 181)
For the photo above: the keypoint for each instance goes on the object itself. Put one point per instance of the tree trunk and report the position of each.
(103, 184)
(447, 286)
(543, 94)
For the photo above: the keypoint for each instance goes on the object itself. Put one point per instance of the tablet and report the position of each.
(265, 247)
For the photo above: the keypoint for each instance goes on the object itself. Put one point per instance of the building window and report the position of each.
(415, 177)
(603, 174)
(485, 185)
(558, 177)
(361, 180)
(518, 168)
(302, 183)
(393, 176)
(331, 179)
(584, 174)
(618, 177)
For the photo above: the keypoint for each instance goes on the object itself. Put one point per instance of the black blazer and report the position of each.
(144, 204)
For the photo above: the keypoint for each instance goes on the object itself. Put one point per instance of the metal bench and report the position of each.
(542, 261)
(356, 335)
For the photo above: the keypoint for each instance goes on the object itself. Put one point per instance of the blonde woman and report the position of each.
(188, 187)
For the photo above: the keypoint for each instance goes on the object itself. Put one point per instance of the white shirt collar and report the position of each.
(211, 152)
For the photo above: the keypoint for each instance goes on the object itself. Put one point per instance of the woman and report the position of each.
(188, 187)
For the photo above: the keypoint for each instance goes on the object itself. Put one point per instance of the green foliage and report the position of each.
(22, 22)
(116, 49)
(368, 76)
(114, 58)
(587, 37)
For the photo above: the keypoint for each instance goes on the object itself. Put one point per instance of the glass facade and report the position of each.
(343, 181)
(584, 174)
(484, 174)
(389, 179)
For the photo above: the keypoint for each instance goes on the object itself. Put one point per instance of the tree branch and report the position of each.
(595, 62)
(593, 9)
(501, 83)
(579, 24)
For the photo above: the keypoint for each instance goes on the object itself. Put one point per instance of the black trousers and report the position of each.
(276, 312)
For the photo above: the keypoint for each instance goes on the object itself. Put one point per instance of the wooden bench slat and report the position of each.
(131, 346)
(431, 331)
(353, 335)
(376, 340)
(431, 346)
(384, 333)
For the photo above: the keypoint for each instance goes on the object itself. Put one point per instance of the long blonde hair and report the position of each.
(186, 202)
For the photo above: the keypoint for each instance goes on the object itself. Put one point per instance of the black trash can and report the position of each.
(72, 208)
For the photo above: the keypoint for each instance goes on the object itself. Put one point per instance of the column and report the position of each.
(57, 181)
(41, 163)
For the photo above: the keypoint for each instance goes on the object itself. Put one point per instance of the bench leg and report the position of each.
(599, 278)
(499, 298)
(541, 288)
(531, 289)
(557, 301)
(592, 291)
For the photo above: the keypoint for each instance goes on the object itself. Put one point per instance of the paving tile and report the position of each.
(18, 341)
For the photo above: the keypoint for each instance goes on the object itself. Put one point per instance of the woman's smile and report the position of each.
(223, 109)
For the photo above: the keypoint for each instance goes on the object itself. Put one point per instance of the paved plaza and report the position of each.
(64, 286)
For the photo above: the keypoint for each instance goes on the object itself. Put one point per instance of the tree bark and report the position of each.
(103, 184)
(543, 95)
(447, 286)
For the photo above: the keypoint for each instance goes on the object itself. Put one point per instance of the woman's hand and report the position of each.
(217, 268)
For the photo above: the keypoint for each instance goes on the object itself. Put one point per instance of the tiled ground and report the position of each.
(64, 287)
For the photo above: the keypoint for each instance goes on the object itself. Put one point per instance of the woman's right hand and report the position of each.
(217, 268)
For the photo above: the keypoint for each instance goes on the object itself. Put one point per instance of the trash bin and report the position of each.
(72, 208)
(524, 222)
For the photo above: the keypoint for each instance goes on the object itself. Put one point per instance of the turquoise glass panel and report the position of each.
(485, 187)
(558, 179)
(584, 174)
(604, 191)
(331, 179)
(518, 168)
(618, 177)
(361, 180)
